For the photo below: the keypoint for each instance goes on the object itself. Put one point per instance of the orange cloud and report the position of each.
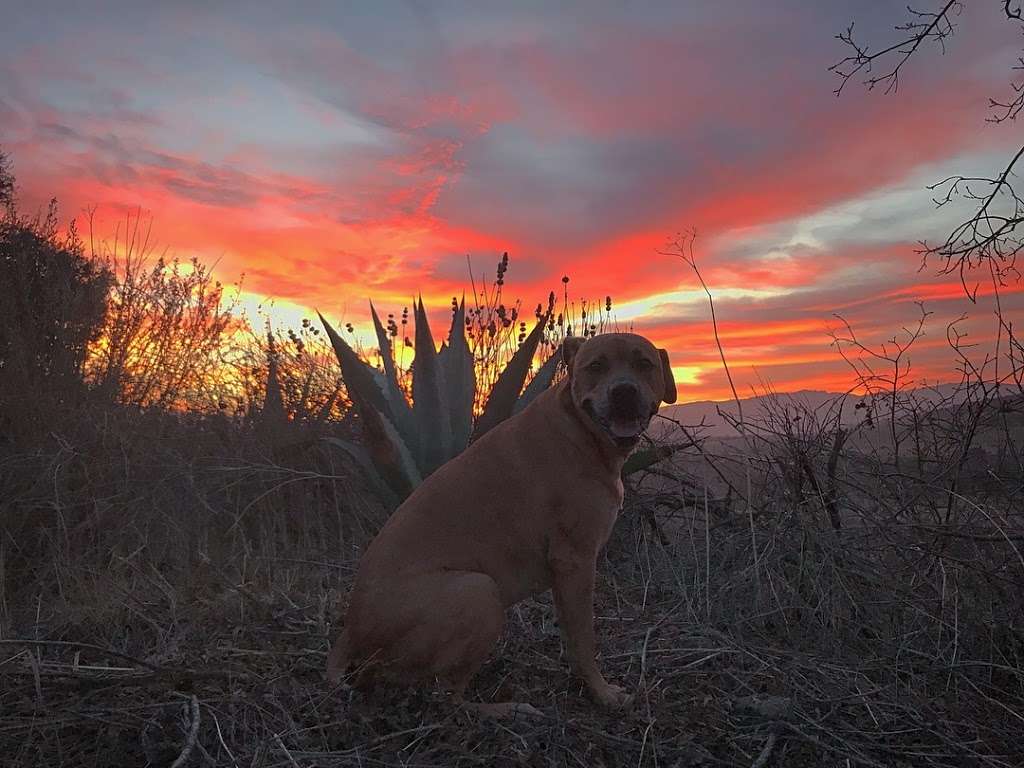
(369, 160)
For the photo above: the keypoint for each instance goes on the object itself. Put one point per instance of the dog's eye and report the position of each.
(595, 366)
(643, 364)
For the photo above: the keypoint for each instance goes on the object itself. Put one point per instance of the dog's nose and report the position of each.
(623, 397)
(623, 389)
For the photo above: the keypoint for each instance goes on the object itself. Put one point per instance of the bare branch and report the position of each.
(893, 376)
(1008, 110)
(682, 248)
(922, 26)
(989, 236)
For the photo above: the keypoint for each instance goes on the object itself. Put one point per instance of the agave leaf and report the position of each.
(362, 458)
(363, 391)
(399, 463)
(540, 382)
(388, 450)
(381, 380)
(398, 407)
(459, 379)
(389, 453)
(432, 421)
(647, 457)
(506, 389)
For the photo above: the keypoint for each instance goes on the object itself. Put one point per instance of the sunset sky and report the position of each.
(338, 152)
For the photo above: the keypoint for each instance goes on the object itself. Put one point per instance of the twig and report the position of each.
(766, 753)
(89, 646)
(283, 748)
(193, 734)
(220, 738)
(684, 250)
(939, 27)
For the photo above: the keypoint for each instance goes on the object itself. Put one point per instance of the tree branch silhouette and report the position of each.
(990, 235)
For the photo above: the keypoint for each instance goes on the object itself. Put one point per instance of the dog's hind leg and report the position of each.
(470, 610)
(438, 626)
(458, 618)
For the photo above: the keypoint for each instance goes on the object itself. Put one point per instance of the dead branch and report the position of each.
(682, 248)
(921, 27)
(989, 236)
(193, 733)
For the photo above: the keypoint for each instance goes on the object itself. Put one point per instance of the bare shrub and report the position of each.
(299, 365)
(51, 310)
(6, 182)
(166, 328)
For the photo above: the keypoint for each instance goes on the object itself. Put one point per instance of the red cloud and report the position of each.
(580, 153)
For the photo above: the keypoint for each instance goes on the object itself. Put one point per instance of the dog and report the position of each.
(525, 508)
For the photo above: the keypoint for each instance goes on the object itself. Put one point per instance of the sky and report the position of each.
(334, 153)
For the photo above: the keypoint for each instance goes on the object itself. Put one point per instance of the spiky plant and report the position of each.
(403, 442)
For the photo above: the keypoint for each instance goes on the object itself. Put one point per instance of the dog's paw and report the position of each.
(611, 696)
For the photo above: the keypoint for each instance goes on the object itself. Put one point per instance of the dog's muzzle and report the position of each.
(622, 415)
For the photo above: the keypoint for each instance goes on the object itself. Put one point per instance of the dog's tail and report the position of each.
(338, 658)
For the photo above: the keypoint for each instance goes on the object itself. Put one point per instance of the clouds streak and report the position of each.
(363, 151)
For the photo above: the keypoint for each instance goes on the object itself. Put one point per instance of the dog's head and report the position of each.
(618, 380)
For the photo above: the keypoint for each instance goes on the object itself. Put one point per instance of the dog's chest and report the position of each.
(590, 516)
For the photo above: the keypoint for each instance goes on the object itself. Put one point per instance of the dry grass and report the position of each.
(170, 594)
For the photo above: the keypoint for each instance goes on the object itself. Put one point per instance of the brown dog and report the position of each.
(525, 508)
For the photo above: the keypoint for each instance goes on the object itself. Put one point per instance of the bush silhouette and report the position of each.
(51, 307)
(6, 182)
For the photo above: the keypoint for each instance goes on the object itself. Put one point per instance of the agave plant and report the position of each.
(406, 442)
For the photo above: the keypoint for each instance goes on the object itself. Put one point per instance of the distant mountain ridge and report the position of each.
(691, 414)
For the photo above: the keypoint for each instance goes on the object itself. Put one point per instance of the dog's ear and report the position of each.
(669, 396)
(570, 346)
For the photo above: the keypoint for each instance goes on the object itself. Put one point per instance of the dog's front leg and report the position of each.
(573, 587)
